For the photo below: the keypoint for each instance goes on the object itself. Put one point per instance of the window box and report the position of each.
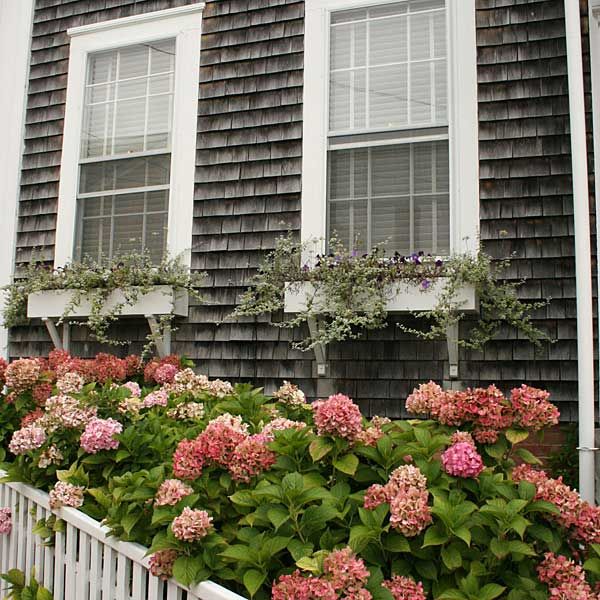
(403, 297)
(162, 300)
(50, 305)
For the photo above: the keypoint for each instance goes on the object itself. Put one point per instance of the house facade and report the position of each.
(209, 130)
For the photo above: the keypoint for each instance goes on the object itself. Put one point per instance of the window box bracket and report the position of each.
(402, 297)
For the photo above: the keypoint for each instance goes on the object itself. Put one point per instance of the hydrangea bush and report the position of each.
(274, 497)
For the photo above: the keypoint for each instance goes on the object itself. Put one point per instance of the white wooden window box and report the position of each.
(403, 297)
(50, 305)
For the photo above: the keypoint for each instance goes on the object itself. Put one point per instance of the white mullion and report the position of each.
(432, 94)
(116, 101)
(107, 157)
(352, 75)
(411, 189)
(369, 200)
(434, 200)
(147, 103)
(127, 79)
(367, 74)
(393, 16)
(408, 69)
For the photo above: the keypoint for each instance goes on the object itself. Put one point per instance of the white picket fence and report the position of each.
(84, 563)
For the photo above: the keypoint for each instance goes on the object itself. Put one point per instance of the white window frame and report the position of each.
(462, 116)
(183, 24)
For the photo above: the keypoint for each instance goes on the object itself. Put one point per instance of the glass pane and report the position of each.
(128, 234)
(391, 224)
(160, 84)
(157, 201)
(156, 235)
(390, 167)
(125, 173)
(385, 10)
(387, 41)
(102, 67)
(129, 126)
(162, 56)
(388, 97)
(134, 88)
(133, 61)
(421, 101)
(339, 101)
(159, 122)
(348, 222)
(341, 40)
(343, 16)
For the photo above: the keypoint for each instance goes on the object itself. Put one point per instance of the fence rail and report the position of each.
(85, 563)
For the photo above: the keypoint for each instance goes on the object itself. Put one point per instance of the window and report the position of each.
(127, 177)
(390, 74)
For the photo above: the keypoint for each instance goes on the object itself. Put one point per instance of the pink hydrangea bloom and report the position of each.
(462, 436)
(134, 388)
(57, 357)
(221, 437)
(31, 417)
(188, 460)
(171, 491)
(66, 411)
(532, 409)
(161, 563)
(338, 416)
(462, 460)
(156, 398)
(423, 398)
(375, 495)
(65, 494)
(564, 578)
(5, 521)
(290, 395)
(486, 436)
(347, 573)
(41, 392)
(107, 367)
(220, 388)
(22, 374)
(165, 373)
(298, 587)
(99, 435)
(410, 512)
(404, 477)
(187, 382)
(26, 439)
(405, 588)
(251, 457)
(281, 424)
(191, 525)
(187, 410)
(50, 456)
(70, 383)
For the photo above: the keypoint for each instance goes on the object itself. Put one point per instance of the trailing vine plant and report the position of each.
(134, 275)
(348, 293)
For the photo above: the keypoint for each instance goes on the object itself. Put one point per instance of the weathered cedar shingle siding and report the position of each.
(248, 183)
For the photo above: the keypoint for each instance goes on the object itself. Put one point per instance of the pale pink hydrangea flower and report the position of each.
(375, 495)
(250, 458)
(462, 436)
(161, 563)
(405, 588)
(99, 435)
(171, 491)
(298, 587)
(26, 439)
(50, 456)
(338, 416)
(22, 374)
(156, 398)
(410, 512)
(66, 411)
(187, 410)
(70, 383)
(281, 424)
(65, 494)
(165, 373)
(220, 388)
(564, 578)
(290, 395)
(405, 477)
(5, 521)
(134, 388)
(131, 406)
(532, 409)
(462, 460)
(486, 436)
(422, 399)
(192, 525)
(347, 573)
(187, 381)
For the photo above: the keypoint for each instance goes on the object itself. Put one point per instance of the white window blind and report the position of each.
(124, 173)
(388, 174)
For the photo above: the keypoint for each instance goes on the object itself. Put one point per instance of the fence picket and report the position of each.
(85, 561)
